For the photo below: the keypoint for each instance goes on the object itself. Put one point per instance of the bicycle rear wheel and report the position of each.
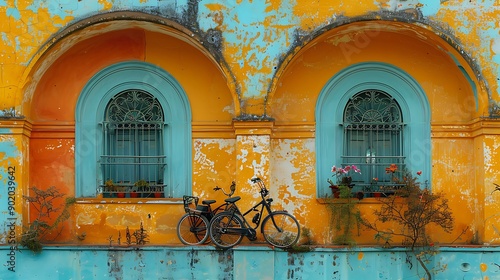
(192, 229)
(285, 233)
(220, 230)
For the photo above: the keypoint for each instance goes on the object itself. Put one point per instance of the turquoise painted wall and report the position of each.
(247, 263)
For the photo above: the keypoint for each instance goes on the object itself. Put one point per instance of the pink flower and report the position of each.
(356, 169)
(334, 169)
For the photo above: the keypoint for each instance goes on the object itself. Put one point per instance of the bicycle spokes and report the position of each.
(281, 229)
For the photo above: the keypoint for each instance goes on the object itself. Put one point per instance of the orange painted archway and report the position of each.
(438, 66)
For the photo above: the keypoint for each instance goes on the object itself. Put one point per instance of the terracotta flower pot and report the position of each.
(335, 191)
(347, 180)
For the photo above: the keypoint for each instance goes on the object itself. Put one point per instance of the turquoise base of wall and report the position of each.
(244, 262)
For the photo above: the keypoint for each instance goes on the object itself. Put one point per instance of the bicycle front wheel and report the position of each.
(192, 229)
(221, 227)
(284, 232)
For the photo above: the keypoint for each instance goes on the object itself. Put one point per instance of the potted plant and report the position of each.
(158, 189)
(120, 191)
(157, 193)
(410, 211)
(109, 187)
(343, 179)
(378, 192)
(142, 186)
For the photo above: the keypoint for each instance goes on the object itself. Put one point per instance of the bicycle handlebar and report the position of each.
(255, 180)
(232, 188)
(263, 190)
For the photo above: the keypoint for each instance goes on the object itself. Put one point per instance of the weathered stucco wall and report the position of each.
(252, 72)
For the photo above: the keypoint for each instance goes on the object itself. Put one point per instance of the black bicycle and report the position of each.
(192, 227)
(279, 228)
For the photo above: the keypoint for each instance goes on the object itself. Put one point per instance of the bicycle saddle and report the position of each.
(208, 202)
(232, 199)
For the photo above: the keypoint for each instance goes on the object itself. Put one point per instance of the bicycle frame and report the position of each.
(264, 203)
(279, 228)
(248, 230)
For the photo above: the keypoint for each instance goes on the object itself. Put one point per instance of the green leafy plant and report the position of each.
(345, 217)
(141, 185)
(110, 185)
(409, 212)
(48, 218)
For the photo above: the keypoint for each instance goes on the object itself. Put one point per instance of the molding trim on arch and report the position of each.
(90, 113)
(371, 75)
(97, 24)
(473, 76)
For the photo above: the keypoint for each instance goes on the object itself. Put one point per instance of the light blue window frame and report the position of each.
(365, 76)
(90, 113)
(133, 143)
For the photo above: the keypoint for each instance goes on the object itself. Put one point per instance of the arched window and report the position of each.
(372, 115)
(133, 157)
(133, 127)
(373, 137)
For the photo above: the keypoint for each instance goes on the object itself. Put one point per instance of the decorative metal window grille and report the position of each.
(133, 158)
(373, 138)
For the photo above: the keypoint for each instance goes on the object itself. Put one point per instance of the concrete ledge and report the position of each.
(245, 262)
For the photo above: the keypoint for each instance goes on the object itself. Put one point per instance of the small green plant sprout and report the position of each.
(49, 216)
(306, 234)
(141, 237)
(128, 237)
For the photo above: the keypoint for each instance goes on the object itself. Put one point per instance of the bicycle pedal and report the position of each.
(252, 236)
